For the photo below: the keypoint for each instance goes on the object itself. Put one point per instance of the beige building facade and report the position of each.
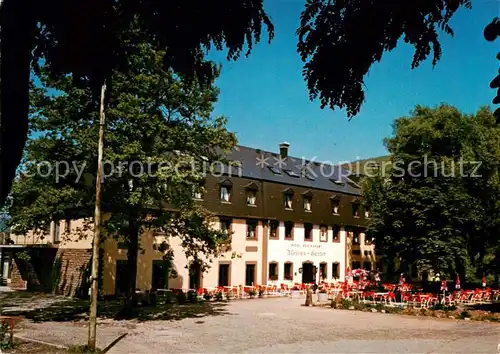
(288, 224)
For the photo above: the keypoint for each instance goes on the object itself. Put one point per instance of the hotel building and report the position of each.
(288, 217)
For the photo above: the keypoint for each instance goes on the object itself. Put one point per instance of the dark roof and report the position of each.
(268, 166)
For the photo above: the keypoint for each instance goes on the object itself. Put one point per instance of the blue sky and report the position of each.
(265, 99)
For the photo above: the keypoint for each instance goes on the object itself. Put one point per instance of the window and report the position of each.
(197, 193)
(289, 230)
(251, 196)
(308, 232)
(225, 193)
(307, 203)
(159, 278)
(356, 252)
(251, 229)
(292, 173)
(273, 271)
(57, 232)
(274, 170)
(249, 274)
(336, 233)
(368, 211)
(355, 237)
(356, 265)
(337, 182)
(323, 273)
(367, 266)
(121, 277)
(323, 233)
(67, 226)
(355, 210)
(335, 205)
(273, 229)
(335, 270)
(224, 275)
(288, 200)
(225, 225)
(288, 271)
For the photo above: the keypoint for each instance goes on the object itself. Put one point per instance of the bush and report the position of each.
(464, 314)
(192, 296)
(219, 296)
(6, 340)
(442, 307)
(181, 297)
(207, 296)
(168, 297)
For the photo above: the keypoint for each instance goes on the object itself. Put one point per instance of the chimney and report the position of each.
(284, 149)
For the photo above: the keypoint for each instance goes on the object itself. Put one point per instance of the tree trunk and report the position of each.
(309, 301)
(17, 38)
(133, 248)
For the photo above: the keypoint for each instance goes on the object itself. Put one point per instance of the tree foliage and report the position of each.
(437, 205)
(159, 133)
(340, 40)
(82, 39)
(337, 40)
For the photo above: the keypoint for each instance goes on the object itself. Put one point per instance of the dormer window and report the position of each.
(225, 191)
(335, 204)
(355, 209)
(197, 192)
(288, 198)
(251, 197)
(307, 203)
(251, 193)
(368, 211)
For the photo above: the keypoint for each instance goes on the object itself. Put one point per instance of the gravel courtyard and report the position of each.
(283, 326)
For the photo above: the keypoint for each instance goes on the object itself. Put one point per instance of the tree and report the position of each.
(338, 42)
(159, 135)
(82, 38)
(437, 206)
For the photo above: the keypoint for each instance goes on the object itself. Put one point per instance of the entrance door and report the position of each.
(121, 277)
(250, 274)
(307, 273)
(223, 274)
(194, 276)
(160, 277)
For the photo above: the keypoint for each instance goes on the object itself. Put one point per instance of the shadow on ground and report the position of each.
(40, 307)
(494, 308)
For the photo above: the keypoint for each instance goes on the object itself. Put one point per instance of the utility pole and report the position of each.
(97, 230)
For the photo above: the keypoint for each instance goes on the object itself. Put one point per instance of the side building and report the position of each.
(288, 216)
